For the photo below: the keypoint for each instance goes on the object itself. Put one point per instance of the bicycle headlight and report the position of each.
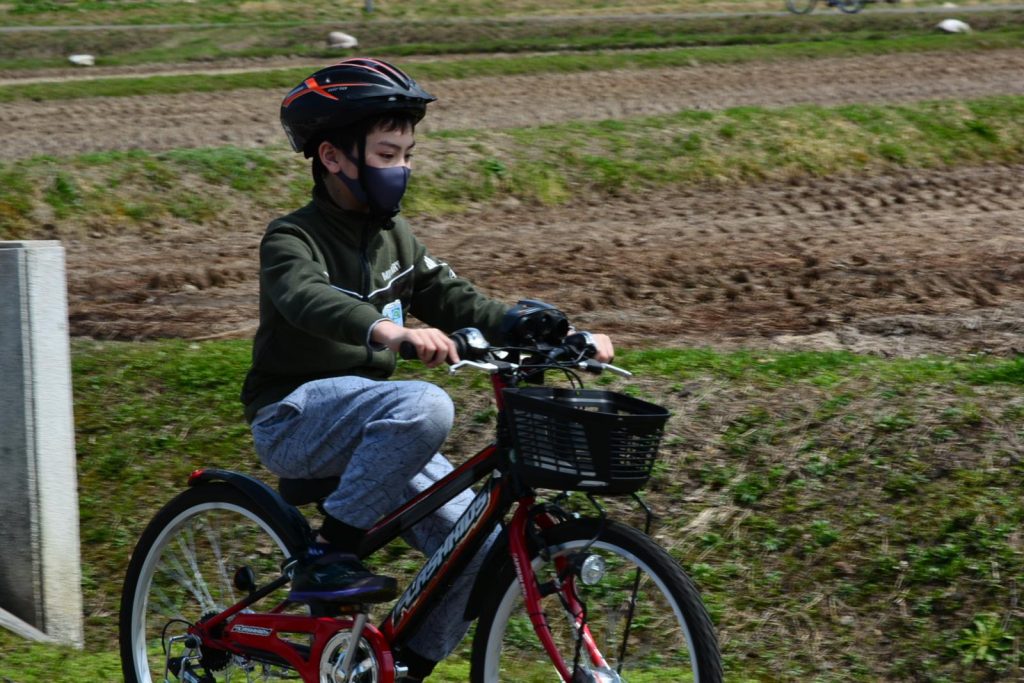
(592, 570)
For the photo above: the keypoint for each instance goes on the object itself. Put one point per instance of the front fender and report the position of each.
(491, 567)
(294, 528)
(499, 558)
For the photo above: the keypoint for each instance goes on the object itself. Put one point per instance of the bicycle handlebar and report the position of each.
(576, 350)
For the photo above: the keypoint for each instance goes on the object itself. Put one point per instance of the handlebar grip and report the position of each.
(469, 344)
(407, 351)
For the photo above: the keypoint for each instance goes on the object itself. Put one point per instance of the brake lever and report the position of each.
(597, 367)
(616, 370)
(489, 368)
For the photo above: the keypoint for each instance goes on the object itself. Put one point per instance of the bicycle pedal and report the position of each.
(245, 579)
(182, 670)
(174, 665)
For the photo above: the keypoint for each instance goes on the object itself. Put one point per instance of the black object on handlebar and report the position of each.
(531, 323)
(580, 343)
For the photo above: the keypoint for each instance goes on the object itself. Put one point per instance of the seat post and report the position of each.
(304, 491)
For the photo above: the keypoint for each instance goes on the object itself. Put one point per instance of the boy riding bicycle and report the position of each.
(337, 279)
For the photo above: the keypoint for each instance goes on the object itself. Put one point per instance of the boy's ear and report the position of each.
(330, 156)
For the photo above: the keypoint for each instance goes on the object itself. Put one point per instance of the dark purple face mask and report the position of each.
(381, 188)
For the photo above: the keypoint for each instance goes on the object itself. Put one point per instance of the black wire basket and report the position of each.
(583, 440)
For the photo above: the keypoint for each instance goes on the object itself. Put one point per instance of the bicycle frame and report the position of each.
(270, 637)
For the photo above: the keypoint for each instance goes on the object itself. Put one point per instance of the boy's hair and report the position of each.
(352, 138)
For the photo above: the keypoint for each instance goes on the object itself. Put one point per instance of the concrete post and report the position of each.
(40, 565)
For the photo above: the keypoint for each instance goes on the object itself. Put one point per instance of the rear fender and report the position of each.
(293, 526)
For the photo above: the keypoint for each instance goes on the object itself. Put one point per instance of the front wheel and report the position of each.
(183, 570)
(644, 613)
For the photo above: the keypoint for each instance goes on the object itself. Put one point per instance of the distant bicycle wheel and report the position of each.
(800, 6)
(848, 6)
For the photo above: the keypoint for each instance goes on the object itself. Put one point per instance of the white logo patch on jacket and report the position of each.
(390, 272)
(431, 264)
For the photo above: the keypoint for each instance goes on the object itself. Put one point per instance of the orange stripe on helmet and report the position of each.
(313, 87)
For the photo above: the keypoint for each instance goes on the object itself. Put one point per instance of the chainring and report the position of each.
(209, 658)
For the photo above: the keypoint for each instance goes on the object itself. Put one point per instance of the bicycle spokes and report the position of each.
(612, 620)
(604, 610)
(186, 575)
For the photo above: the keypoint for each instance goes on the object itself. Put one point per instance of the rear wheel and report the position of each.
(800, 6)
(644, 612)
(183, 570)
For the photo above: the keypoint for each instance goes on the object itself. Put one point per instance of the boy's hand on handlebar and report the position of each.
(605, 350)
(432, 346)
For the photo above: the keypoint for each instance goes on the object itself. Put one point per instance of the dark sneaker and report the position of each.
(339, 577)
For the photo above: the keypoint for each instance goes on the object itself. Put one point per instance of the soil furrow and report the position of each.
(907, 263)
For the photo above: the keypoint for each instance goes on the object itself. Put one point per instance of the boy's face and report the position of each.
(388, 164)
(387, 148)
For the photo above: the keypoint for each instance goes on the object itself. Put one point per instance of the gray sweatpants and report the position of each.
(382, 438)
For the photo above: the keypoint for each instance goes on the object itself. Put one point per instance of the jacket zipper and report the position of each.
(363, 252)
(365, 257)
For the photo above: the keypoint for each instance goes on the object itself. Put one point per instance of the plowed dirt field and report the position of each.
(914, 262)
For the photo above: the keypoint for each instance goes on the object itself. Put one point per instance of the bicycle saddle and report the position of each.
(304, 491)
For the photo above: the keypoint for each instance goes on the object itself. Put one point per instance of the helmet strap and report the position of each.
(377, 214)
(361, 166)
(357, 185)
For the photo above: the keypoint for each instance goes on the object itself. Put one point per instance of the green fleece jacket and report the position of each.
(326, 277)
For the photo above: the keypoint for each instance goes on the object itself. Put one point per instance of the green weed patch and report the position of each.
(551, 164)
(142, 191)
(802, 491)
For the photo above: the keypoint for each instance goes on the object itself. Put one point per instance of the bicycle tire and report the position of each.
(671, 636)
(800, 6)
(849, 6)
(209, 531)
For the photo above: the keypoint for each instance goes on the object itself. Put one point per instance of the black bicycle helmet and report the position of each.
(344, 93)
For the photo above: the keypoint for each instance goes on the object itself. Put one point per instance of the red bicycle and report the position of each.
(561, 595)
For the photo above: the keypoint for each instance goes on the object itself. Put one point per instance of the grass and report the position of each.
(23, 662)
(51, 196)
(427, 71)
(50, 12)
(848, 518)
(819, 499)
(206, 45)
(74, 12)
